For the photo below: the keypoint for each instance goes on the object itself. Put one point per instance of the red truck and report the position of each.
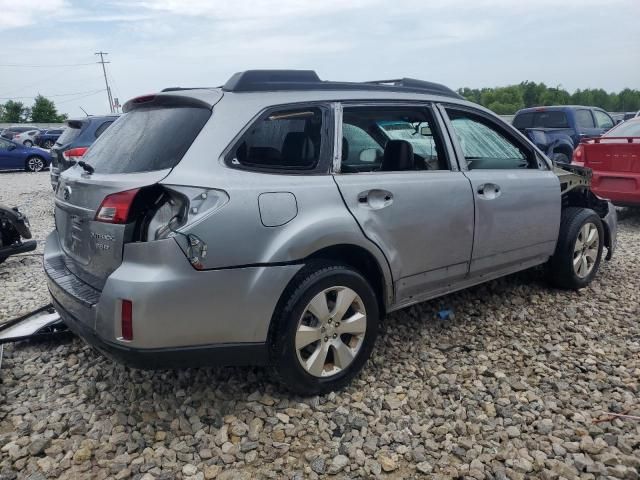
(614, 159)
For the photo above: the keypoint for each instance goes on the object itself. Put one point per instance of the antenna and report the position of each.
(85, 112)
(106, 82)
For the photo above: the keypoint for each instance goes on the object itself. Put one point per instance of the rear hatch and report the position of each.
(611, 154)
(72, 132)
(137, 151)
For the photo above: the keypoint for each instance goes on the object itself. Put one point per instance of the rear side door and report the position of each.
(418, 212)
(516, 195)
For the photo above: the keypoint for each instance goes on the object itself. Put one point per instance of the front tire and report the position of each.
(579, 250)
(325, 328)
(34, 164)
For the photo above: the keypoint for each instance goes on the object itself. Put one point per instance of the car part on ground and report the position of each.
(39, 323)
(14, 227)
(300, 195)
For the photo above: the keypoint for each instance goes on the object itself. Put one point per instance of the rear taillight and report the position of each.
(115, 207)
(126, 319)
(578, 156)
(74, 154)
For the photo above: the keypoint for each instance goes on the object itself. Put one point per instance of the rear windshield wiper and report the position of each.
(87, 168)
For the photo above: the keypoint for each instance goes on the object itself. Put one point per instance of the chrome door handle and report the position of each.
(489, 191)
(375, 199)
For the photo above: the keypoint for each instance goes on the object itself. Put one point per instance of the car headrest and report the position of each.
(297, 149)
(398, 156)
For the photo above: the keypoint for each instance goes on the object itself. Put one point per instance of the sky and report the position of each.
(49, 45)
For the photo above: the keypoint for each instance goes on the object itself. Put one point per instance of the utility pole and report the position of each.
(106, 82)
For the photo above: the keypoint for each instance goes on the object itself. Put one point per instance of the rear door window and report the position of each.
(551, 120)
(147, 139)
(584, 119)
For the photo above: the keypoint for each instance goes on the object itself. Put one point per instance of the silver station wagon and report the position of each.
(275, 220)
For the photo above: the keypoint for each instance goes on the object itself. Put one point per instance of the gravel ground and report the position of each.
(516, 386)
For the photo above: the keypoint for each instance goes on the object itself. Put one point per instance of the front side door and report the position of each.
(517, 197)
(399, 180)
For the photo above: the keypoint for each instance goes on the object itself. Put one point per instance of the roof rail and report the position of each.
(179, 89)
(282, 80)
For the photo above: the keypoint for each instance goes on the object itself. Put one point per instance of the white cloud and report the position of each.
(27, 12)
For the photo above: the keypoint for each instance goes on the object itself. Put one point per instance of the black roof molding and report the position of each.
(282, 80)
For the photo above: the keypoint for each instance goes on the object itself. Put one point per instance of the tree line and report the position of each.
(508, 100)
(43, 110)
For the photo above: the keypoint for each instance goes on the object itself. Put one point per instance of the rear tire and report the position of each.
(324, 329)
(34, 164)
(47, 144)
(28, 143)
(579, 250)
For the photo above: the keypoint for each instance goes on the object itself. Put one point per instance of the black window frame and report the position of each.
(325, 157)
(451, 165)
(509, 131)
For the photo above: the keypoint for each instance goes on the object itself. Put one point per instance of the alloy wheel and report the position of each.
(331, 331)
(585, 251)
(35, 164)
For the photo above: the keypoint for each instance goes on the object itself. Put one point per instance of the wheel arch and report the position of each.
(583, 197)
(564, 147)
(356, 256)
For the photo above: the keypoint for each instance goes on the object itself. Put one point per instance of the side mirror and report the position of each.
(368, 155)
(11, 147)
(426, 131)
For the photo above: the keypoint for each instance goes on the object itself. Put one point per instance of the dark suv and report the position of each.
(557, 130)
(74, 141)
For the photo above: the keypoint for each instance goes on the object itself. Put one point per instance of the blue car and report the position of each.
(14, 156)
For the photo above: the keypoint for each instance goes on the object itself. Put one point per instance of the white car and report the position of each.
(26, 138)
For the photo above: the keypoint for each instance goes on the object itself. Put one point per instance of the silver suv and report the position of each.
(277, 219)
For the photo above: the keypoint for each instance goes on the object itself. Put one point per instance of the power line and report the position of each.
(106, 82)
(56, 95)
(82, 96)
(20, 65)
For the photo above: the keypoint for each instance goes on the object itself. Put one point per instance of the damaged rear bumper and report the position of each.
(181, 316)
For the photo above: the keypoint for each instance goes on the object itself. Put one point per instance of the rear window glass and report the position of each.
(73, 131)
(551, 119)
(524, 120)
(147, 139)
